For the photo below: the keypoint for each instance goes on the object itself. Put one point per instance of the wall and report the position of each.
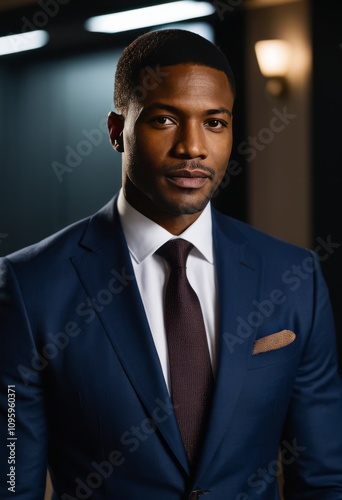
(54, 112)
(279, 158)
(295, 182)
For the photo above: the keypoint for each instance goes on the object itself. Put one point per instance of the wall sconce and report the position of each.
(274, 60)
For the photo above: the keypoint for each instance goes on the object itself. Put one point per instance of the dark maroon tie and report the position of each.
(190, 367)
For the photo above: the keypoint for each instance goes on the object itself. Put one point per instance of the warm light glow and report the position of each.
(12, 44)
(273, 57)
(149, 16)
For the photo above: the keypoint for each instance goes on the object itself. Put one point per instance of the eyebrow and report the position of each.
(173, 109)
(219, 111)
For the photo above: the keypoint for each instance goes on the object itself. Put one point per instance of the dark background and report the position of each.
(50, 96)
(327, 141)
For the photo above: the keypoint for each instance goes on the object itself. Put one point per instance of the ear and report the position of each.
(115, 126)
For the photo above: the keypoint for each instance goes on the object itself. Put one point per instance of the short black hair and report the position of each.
(164, 48)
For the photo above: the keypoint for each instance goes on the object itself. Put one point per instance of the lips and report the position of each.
(190, 179)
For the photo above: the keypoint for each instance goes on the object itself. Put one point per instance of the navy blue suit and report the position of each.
(91, 401)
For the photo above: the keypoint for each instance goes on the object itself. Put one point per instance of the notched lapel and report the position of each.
(106, 265)
(239, 272)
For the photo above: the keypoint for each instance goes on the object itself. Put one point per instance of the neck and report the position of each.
(173, 223)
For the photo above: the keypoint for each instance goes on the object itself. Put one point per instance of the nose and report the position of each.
(190, 142)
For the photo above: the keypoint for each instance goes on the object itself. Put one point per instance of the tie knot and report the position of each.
(175, 251)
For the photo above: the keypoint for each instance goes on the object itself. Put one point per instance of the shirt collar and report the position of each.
(144, 236)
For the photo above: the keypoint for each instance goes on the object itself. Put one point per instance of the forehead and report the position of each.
(186, 83)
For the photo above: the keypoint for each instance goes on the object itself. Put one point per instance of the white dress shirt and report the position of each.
(143, 238)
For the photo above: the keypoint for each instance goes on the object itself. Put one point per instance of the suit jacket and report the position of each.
(90, 398)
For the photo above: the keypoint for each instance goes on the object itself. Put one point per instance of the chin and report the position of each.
(182, 208)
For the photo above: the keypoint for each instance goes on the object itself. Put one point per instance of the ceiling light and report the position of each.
(149, 16)
(12, 44)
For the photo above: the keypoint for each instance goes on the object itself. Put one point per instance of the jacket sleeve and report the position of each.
(23, 432)
(313, 429)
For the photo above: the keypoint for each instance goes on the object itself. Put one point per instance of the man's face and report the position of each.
(177, 141)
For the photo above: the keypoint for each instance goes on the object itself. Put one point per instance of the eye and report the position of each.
(162, 120)
(216, 124)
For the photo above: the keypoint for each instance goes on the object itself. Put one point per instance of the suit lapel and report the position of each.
(106, 265)
(238, 270)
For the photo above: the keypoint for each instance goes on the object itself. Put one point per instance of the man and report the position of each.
(129, 382)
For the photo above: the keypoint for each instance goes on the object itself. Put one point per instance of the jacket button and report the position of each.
(195, 494)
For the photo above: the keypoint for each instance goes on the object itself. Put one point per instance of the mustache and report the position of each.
(190, 165)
